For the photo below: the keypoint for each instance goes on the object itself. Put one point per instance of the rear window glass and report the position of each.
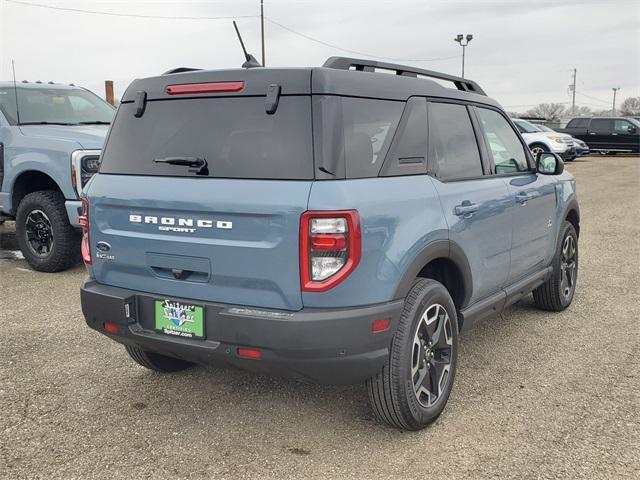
(235, 136)
(353, 134)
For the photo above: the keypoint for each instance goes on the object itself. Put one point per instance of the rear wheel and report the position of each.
(155, 361)
(46, 238)
(557, 293)
(413, 387)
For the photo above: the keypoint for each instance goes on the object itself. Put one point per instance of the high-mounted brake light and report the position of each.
(212, 87)
(83, 220)
(330, 248)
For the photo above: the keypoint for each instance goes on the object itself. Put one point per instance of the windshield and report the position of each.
(544, 128)
(41, 106)
(526, 127)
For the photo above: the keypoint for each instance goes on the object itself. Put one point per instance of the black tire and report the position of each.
(557, 293)
(392, 392)
(537, 149)
(155, 361)
(65, 247)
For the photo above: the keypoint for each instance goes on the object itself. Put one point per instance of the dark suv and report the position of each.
(333, 224)
(606, 135)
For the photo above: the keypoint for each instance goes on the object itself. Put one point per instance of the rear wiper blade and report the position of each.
(198, 166)
(47, 123)
(96, 122)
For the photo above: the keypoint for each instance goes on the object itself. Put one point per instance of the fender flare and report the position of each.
(433, 251)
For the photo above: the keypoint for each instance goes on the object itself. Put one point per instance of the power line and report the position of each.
(284, 27)
(326, 44)
(132, 15)
(593, 98)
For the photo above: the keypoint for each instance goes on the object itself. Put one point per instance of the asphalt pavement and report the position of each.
(537, 394)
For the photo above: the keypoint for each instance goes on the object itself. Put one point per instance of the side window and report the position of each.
(508, 153)
(368, 129)
(601, 125)
(621, 126)
(578, 123)
(453, 149)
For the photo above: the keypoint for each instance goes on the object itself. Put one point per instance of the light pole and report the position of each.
(460, 39)
(615, 90)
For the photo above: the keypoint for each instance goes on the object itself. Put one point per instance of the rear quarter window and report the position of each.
(353, 135)
(235, 135)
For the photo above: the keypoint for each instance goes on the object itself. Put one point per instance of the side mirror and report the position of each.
(631, 129)
(549, 164)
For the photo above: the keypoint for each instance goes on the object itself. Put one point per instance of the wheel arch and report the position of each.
(444, 261)
(573, 216)
(28, 182)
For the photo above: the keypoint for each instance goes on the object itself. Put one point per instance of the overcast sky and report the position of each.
(523, 52)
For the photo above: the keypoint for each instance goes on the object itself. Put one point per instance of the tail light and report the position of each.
(330, 248)
(83, 220)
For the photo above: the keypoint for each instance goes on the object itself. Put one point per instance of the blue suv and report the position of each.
(334, 224)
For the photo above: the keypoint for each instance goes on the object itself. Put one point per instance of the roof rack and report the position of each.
(345, 63)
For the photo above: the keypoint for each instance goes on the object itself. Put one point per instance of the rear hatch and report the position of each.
(201, 188)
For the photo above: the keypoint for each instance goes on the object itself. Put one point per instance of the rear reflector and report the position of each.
(213, 87)
(380, 325)
(250, 353)
(111, 327)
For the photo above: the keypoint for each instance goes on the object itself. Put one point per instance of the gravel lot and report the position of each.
(537, 395)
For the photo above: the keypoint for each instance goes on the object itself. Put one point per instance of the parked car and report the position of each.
(233, 222)
(49, 148)
(606, 134)
(540, 141)
(582, 148)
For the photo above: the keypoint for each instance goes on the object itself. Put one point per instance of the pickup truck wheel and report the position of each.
(46, 238)
(413, 387)
(537, 149)
(155, 361)
(557, 293)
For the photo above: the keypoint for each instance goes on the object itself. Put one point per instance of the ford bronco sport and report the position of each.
(332, 224)
(50, 141)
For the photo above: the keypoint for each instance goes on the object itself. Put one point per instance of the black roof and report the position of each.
(338, 76)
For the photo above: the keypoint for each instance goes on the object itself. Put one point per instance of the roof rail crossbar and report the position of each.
(346, 63)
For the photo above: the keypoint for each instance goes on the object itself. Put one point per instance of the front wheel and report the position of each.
(46, 238)
(414, 385)
(556, 294)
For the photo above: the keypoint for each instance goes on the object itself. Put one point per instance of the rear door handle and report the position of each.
(592, 133)
(466, 208)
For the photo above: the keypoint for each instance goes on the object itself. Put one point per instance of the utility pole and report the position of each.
(573, 93)
(262, 28)
(459, 38)
(615, 90)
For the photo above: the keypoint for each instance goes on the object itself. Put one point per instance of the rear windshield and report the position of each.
(234, 135)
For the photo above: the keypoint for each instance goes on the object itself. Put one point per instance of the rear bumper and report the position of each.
(333, 346)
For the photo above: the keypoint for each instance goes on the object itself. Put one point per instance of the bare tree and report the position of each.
(549, 111)
(583, 111)
(631, 106)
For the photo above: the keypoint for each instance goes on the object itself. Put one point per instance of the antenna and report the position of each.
(251, 61)
(15, 90)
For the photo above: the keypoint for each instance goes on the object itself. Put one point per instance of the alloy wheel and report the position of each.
(39, 233)
(431, 355)
(568, 266)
